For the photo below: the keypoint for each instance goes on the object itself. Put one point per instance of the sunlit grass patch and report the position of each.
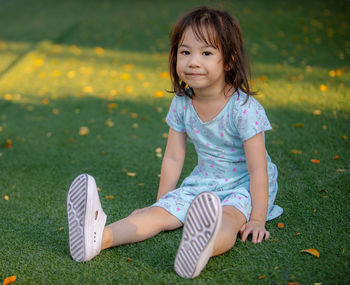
(53, 71)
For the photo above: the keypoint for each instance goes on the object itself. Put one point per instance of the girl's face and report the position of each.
(200, 65)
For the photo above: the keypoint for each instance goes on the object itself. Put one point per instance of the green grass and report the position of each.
(53, 80)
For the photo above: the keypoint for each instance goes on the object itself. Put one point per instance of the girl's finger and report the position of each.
(267, 235)
(242, 229)
(261, 236)
(245, 234)
(255, 236)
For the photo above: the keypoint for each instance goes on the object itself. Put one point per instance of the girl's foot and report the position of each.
(202, 224)
(86, 219)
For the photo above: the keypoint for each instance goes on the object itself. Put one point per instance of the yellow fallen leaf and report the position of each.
(262, 277)
(335, 157)
(280, 225)
(340, 170)
(6, 197)
(8, 97)
(132, 174)
(45, 101)
(165, 75)
(296, 151)
(55, 111)
(128, 89)
(323, 87)
(134, 115)
(8, 144)
(109, 123)
(345, 138)
(317, 112)
(9, 280)
(315, 161)
(311, 251)
(158, 149)
(159, 94)
(98, 189)
(338, 72)
(125, 76)
(298, 125)
(113, 92)
(99, 50)
(135, 125)
(56, 73)
(83, 131)
(112, 105)
(39, 62)
(331, 73)
(88, 89)
(140, 76)
(61, 229)
(109, 197)
(128, 67)
(71, 74)
(262, 78)
(165, 135)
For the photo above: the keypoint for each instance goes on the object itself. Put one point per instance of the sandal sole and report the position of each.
(202, 224)
(76, 209)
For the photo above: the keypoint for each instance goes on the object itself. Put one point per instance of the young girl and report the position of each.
(233, 187)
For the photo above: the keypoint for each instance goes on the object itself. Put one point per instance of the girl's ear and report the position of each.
(229, 66)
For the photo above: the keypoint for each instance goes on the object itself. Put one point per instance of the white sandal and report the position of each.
(86, 219)
(202, 224)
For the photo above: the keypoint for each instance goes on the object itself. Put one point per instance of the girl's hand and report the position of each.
(257, 229)
(139, 211)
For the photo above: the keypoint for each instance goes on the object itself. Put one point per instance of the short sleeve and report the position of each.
(175, 117)
(250, 119)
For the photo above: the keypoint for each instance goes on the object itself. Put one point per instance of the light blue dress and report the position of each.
(222, 167)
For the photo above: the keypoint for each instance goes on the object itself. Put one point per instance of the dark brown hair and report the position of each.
(220, 30)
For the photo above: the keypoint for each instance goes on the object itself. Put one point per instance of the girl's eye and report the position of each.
(207, 53)
(185, 52)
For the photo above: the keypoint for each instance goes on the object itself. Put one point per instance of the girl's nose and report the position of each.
(193, 61)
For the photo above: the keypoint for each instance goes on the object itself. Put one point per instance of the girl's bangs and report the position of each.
(204, 31)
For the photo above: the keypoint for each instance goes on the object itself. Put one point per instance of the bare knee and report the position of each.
(164, 219)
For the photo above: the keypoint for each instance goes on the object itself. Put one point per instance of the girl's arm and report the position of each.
(259, 188)
(173, 160)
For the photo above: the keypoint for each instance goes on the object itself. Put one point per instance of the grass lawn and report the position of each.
(102, 65)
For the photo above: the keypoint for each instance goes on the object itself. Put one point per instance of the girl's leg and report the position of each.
(138, 227)
(209, 230)
(232, 221)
